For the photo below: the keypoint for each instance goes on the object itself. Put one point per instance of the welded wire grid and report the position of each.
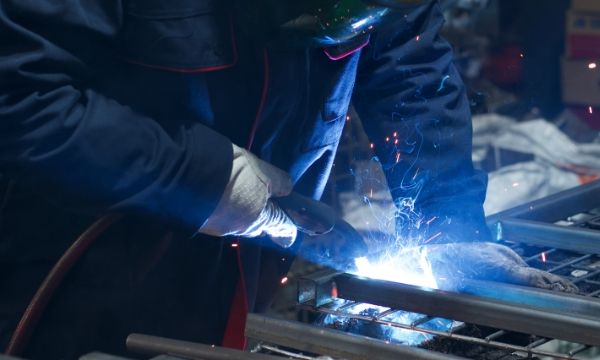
(581, 269)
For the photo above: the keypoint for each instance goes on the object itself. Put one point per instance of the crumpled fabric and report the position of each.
(557, 159)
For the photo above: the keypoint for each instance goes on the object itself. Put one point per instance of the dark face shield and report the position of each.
(329, 22)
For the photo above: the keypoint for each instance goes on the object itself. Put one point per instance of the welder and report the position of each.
(189, 118)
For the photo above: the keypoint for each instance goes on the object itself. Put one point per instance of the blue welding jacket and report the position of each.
(131, 106)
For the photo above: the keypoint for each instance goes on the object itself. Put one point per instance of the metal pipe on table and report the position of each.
(331, 342)
(541, 321)
(541, 234)
(154, 345)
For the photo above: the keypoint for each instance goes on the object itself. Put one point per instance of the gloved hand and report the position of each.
(490, 261)
(245, 209)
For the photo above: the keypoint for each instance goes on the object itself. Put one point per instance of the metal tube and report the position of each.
(472, 309)
(99, 356)
(538, 298)
(534, 233)
(555, 207)
(154, 345)
(331, 342)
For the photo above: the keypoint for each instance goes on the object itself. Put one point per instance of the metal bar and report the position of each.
(384, 314)
(154, 345)
(541, 234)
(578, 349)
(569, 263)
(286, 353)
(99, 356)
(533, 297)
(495, 335)
(421, 321)
(537, 343)
(555, 207)
(331, 342)
(597, 292)
(544, 322)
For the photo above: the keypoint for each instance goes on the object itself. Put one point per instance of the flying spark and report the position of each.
(284, 280)
(433, 237)
(334, 291)
(590, 110)
(592, 65)
(543, 257)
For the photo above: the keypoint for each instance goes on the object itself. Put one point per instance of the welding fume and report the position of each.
(162, 163)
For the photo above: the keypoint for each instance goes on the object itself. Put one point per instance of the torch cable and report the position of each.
(43, 295)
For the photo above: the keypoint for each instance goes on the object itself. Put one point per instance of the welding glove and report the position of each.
(490, 261)
(245, 208)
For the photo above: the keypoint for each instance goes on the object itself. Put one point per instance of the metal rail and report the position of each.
(332, 342)
(555, 207)
(542, 234)
(154, 345)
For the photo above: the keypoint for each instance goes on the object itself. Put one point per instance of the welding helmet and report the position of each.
(323, 23)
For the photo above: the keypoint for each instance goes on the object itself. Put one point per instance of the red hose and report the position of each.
(42, 297)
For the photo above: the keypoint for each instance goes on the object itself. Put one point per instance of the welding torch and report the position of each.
(339, 243)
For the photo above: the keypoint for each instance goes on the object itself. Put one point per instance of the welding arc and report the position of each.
(42, 297)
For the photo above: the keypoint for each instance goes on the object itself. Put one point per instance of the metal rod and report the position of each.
(541, 234)
(537, 343)
(495, 335)
(154, 345)
(384, 314)
(331, 342)
(555, 207)
(578, 349)
(538, 298)
(569, 263)
(421, 320)
(97, 356)
(544, 322)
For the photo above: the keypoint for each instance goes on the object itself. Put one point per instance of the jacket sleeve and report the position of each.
(413, 105)
(57, 130)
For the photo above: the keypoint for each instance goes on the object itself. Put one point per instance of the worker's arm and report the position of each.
(413, 105)
(55, 128)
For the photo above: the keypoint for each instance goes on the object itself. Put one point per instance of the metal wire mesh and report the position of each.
(581, 269)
